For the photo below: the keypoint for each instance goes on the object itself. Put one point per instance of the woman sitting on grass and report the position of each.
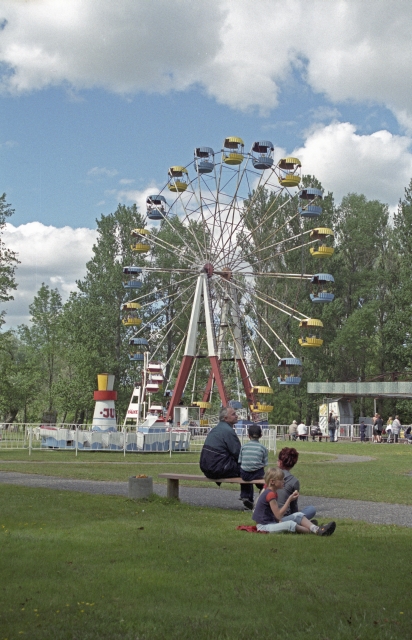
(268, 515)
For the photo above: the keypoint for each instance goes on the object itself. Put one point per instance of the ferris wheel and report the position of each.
(214, 302)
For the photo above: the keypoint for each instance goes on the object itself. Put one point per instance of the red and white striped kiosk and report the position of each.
(104, 417)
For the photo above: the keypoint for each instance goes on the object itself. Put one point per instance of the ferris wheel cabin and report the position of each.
(322, 287)
(140, 245)
(290, 172)
(290, 371)
(130, 312)
(308, 197)
(137, 346)
(258, 406)
(178, 179)
(156, 207)
(204, 159)
(310, 333)
(264, 154)
(233, 151)
(129, 278)
(323, 248)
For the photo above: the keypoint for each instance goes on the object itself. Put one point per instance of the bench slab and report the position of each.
(173, 481)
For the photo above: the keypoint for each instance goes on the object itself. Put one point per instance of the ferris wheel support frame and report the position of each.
(189, 355)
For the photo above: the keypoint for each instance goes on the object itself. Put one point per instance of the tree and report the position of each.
(8, 259)
(93, 336)
(43, 340)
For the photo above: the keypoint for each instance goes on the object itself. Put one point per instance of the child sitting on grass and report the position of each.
(253, 458)
(268, 516)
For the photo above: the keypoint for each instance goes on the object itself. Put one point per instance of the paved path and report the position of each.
(327, 508)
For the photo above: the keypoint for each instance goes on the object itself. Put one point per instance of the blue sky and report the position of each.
(98, 99)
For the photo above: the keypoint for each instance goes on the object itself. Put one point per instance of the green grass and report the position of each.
(385, 479)
(82, 567)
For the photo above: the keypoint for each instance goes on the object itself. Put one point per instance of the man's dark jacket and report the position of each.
(220, 453)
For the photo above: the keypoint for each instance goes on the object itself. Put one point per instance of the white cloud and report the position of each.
(378, 165)
(8, 144)
(126, 181)
(240, 52)
(98, 172)
(55, 256)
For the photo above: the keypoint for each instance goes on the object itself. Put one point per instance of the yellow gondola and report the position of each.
(202, 405)
(261, 408)
(261, 389)
(321, 249)
(130, 311)
(310, 329)
(140, 245)
(235, 153)
(178, 179)
(290, 172)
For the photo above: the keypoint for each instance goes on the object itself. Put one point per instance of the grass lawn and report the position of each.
(86, 567)
(387, 478)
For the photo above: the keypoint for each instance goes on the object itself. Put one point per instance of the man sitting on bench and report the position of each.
(220, 453)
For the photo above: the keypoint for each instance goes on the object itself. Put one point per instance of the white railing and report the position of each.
(37, 437)
(69, 437)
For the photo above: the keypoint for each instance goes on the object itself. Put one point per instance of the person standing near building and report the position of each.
(396, 428)
(293, 430)
(378, 428)
(332, 427)
(362, 431)
(389, 429)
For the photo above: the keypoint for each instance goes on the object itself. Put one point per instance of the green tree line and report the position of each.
(51, 364)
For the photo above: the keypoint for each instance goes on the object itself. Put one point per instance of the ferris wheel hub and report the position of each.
(208, 269)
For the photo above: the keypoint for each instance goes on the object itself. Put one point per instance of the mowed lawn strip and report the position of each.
(386, 478)
(101, 567)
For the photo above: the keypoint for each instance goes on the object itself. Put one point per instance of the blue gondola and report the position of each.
(264, 159)
(156, 207)
(288, 367)
(308, 196)
(322, 288)
(136, 348)
(129, 280)
(204, 159)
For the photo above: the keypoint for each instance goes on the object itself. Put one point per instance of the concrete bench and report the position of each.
(173, 481)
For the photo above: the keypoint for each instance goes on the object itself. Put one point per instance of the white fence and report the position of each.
(36, 437)
(69, 437)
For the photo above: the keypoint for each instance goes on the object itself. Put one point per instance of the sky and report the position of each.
(98, 99)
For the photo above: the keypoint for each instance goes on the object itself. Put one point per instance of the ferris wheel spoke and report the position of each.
(190, 214)
(184, 242)
(277, 336)
(177, 354)
(175, 297)
(270, 298)
(258, 358)
(165, 288)
(272, 274)
(202, 205)
(271, 304)
(161, 243)
(265, 219)
(271, 329)
(284, 241)
(276, 231)
(244, 212)
(233, 207)
(281, 253)
(171, 325)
